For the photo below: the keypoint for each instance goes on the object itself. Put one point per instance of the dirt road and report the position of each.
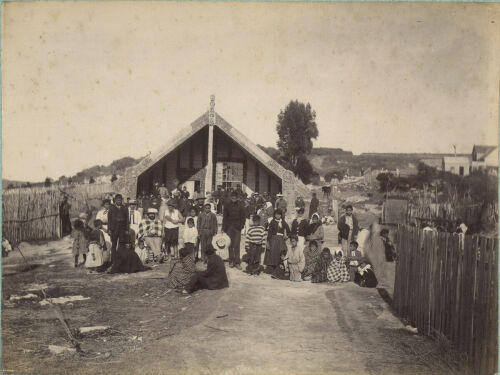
(257, 326)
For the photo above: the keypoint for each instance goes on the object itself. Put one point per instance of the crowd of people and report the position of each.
(182, 230)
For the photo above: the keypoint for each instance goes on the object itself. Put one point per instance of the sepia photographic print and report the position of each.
(249, 188)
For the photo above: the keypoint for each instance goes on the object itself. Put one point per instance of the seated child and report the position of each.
(320, 272)
(190, 237)
(365, 277)
(281, 271)
(254, 245)
(142, 251)
(337, 271)
(354, 258)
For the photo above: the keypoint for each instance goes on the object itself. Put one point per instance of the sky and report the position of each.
(88, 83)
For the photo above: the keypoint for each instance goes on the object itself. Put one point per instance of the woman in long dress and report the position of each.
(97, 246)
(278, 233)
(181, 270)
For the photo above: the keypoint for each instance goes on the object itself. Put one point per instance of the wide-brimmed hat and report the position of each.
(132, 201)
(83, 215)
(279, 195)
(152, 210)
(221, 241)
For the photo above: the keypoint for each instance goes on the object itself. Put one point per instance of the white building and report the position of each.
(460, 165)
(485, 157)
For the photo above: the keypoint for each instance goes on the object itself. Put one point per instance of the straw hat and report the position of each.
(152, 210)
(221, 241)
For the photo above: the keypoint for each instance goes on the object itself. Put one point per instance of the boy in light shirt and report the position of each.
(190, 237)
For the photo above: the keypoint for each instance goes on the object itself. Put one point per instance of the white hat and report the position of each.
(132, 201)
(83, 215)
(279, 195)
(152, 210)
(221, 241)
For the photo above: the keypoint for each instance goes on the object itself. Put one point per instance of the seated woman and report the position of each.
(365, 277)
(127, 260)
(320, 271)
(214, 277)
(337, 271)
(181, 270)
(97, 247)
(311, 256)
(315, 230)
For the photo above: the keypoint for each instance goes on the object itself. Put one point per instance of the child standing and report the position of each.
(296, 261)
(354, 258)
(190, 237)
(254, 245)
(80, 245)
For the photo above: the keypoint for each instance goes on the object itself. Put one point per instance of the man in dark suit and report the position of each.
(118, 223)
(233, 221)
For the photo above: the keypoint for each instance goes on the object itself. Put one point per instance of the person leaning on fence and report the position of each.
(118, 223)
(64, 214)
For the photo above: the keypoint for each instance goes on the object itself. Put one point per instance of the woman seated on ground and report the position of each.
(214, 277)
(315, 230)
(296, 261)
(311, 256)
(97, 247)
(127, 260)
(337, 271)
(365, 277)
(321, 270)
(181, 271)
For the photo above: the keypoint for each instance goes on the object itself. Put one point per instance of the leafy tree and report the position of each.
(114, 178)
(11, 186)
(304, 169)
(315, 178)
(296, 129)
(91, 181)
(48, 182)
(70, 181)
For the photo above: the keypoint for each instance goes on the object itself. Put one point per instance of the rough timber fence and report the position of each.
(30, 214)
(448, 287)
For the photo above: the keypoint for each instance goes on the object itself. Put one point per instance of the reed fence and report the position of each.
(30, 214)
(446, 285)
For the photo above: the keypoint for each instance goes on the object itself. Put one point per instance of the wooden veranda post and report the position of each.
(210, 164)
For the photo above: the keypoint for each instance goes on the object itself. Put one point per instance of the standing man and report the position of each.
(281, 204)
(64, 208)
(171, 221)
(134, 215)
(348, 227)
(118, 223)
(207, 229)
(313, 207)
(233, 221)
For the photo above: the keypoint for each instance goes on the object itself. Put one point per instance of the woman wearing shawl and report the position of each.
(127, 260)
(277, 234)
(97, 247)
(337, 271)
(181, 271)
(311, 256)
(315, 230)
(320, 274)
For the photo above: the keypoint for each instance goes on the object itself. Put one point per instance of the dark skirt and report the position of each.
(171, 236)
(273, 254)
(127, 261)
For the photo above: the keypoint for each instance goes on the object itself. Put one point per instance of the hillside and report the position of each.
(324, 160)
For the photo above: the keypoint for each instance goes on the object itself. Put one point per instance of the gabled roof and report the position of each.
(202, 121)
(456, 159)
(482, 151)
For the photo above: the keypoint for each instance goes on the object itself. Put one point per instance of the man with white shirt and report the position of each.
(171, 221)
(134, 215)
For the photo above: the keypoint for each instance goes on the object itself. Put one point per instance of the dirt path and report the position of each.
(257, 326)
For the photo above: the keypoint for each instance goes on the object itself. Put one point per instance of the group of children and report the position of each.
(304, 260)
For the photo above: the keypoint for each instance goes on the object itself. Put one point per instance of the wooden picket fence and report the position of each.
(447, 286)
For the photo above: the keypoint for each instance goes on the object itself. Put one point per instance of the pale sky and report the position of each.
(87, 83)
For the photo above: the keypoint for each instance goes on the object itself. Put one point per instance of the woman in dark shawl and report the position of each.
(315, 230)
(311, 256)
(181, 271)
(278, 233)
(127, 260)
(320, 271)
